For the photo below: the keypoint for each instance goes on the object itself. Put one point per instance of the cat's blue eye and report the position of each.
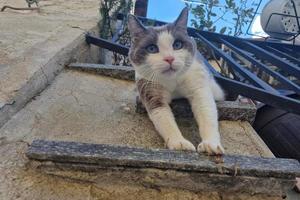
(152, 48)
(177, 45)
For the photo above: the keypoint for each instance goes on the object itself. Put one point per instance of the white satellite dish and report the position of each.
(280, 26)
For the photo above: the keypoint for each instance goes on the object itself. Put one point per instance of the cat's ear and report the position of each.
(135, 26)
(182, 19)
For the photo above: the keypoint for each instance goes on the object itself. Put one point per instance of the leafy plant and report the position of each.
(108, 26)
(108, 15)
(210, 14)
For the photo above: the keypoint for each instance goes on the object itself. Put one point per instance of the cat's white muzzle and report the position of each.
(169, 71)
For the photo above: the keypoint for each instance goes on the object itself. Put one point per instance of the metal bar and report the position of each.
(192, 32)
(282, 54)
(277, 45)
(251, 22)
(252, 78)
(290, 68)
(296, 13)
(276, 100)
(121, 49)
(210, 68)
(292, 49)
(213, 36)
(291, 52)
(112, 46)
(279, 101)
(289, 84)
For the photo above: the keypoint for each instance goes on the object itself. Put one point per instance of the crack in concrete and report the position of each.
(72, 91)
(75, 97)
(66, 177)
(36, 122)
(4, 141)
(47, 80)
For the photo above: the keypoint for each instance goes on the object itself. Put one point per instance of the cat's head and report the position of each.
(165, 51)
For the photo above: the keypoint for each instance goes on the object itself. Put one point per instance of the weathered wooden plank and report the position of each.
(227, 110)
(107, 156)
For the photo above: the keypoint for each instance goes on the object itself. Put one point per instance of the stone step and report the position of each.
(228, 110)
(21, 80)
(114, 71)
(165, 168)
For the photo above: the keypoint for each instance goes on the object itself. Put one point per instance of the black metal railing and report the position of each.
(278, 61)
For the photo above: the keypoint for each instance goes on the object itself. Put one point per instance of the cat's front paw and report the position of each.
(180, 144)
(211, 147)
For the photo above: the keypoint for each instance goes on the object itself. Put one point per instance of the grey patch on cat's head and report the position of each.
(136, 28)
(181, 34)
(182, 19)
(142, 36)
(139, 43)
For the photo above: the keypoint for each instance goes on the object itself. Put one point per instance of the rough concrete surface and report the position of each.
(35, 46)
(227, 110)
(89, 108)
(19, 181)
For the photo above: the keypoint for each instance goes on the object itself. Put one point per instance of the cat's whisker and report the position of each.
(146, 72)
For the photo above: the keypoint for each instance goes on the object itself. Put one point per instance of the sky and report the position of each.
(165, 10)
(168, 10)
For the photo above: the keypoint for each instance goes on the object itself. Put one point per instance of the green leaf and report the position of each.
(222, 31)
(213, 29)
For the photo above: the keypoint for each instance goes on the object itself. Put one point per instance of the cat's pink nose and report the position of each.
(169, 59)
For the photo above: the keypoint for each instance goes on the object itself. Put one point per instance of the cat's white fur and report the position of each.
(194, 83)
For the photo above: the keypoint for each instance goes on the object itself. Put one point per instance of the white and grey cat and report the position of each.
(168, 66)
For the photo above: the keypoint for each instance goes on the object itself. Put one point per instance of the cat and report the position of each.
(168, 66)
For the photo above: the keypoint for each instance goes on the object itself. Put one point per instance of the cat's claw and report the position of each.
(180, 144)
(211, 148)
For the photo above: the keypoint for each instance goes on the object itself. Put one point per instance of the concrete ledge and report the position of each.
(227, 110)
(77, 49)
(120, 156)
(114, 71)
(158, 167)
(167, 178)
